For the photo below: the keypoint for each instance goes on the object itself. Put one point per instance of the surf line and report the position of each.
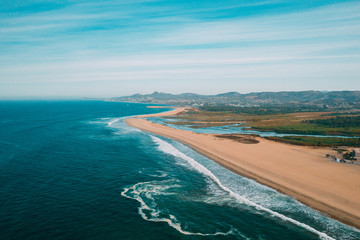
(171, 221)
(170, 149)
(113, 121)
(117, 119)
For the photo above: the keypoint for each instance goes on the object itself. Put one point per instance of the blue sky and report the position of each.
(114, 48)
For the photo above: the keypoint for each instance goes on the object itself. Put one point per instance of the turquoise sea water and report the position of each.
(75, 170)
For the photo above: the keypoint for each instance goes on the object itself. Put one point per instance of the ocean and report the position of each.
(75, 170)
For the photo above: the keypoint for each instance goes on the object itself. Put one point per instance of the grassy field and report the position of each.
(293, 123)
(200, 119)
(318, 141)
(310, 129)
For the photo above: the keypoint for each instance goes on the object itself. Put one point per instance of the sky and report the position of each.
(109, 48)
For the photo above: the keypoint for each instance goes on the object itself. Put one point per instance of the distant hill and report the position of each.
(334, 99)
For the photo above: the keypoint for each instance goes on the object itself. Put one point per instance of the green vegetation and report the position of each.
(310, 129)
(307, 123)
(318, 141)
(263, 110)
(342, 122)
(346, 113)
(349, 155)
(345, 126)
(205, 117)
(194, 124)
(239, 138)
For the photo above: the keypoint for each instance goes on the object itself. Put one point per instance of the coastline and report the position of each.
(301, 172)
(173, 112)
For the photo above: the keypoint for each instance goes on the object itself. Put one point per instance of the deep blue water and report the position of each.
(75, 170)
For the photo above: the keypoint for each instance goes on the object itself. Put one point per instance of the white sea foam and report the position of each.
(161, 174)
(121, 126)
(169, 149)
(113, 121)
(108, 121)
(149, 212)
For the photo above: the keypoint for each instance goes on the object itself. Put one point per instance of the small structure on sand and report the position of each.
(345, 155)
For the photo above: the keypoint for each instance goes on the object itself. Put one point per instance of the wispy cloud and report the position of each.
(119, 43)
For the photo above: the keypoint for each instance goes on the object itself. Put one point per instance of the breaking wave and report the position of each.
(113, 121)
(170, 149)
(144, 193)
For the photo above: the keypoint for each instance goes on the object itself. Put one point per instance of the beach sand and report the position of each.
(302, 172)
(173, 112)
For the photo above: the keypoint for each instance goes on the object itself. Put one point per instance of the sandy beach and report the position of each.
(302, 172)
(173, 112)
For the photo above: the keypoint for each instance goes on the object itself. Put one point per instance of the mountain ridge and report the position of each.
(332, 99)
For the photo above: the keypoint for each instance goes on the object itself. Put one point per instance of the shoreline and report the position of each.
(176, 110)
(298, 171)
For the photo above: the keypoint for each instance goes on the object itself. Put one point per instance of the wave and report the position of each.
(118, 124)
(161, 174)
(113, 121)
(169, 149)
(143, 192)
(122, 126)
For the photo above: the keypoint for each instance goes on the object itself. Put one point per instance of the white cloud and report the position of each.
(311, 46)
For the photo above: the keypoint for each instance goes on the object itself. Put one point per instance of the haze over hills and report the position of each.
(334, 99)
